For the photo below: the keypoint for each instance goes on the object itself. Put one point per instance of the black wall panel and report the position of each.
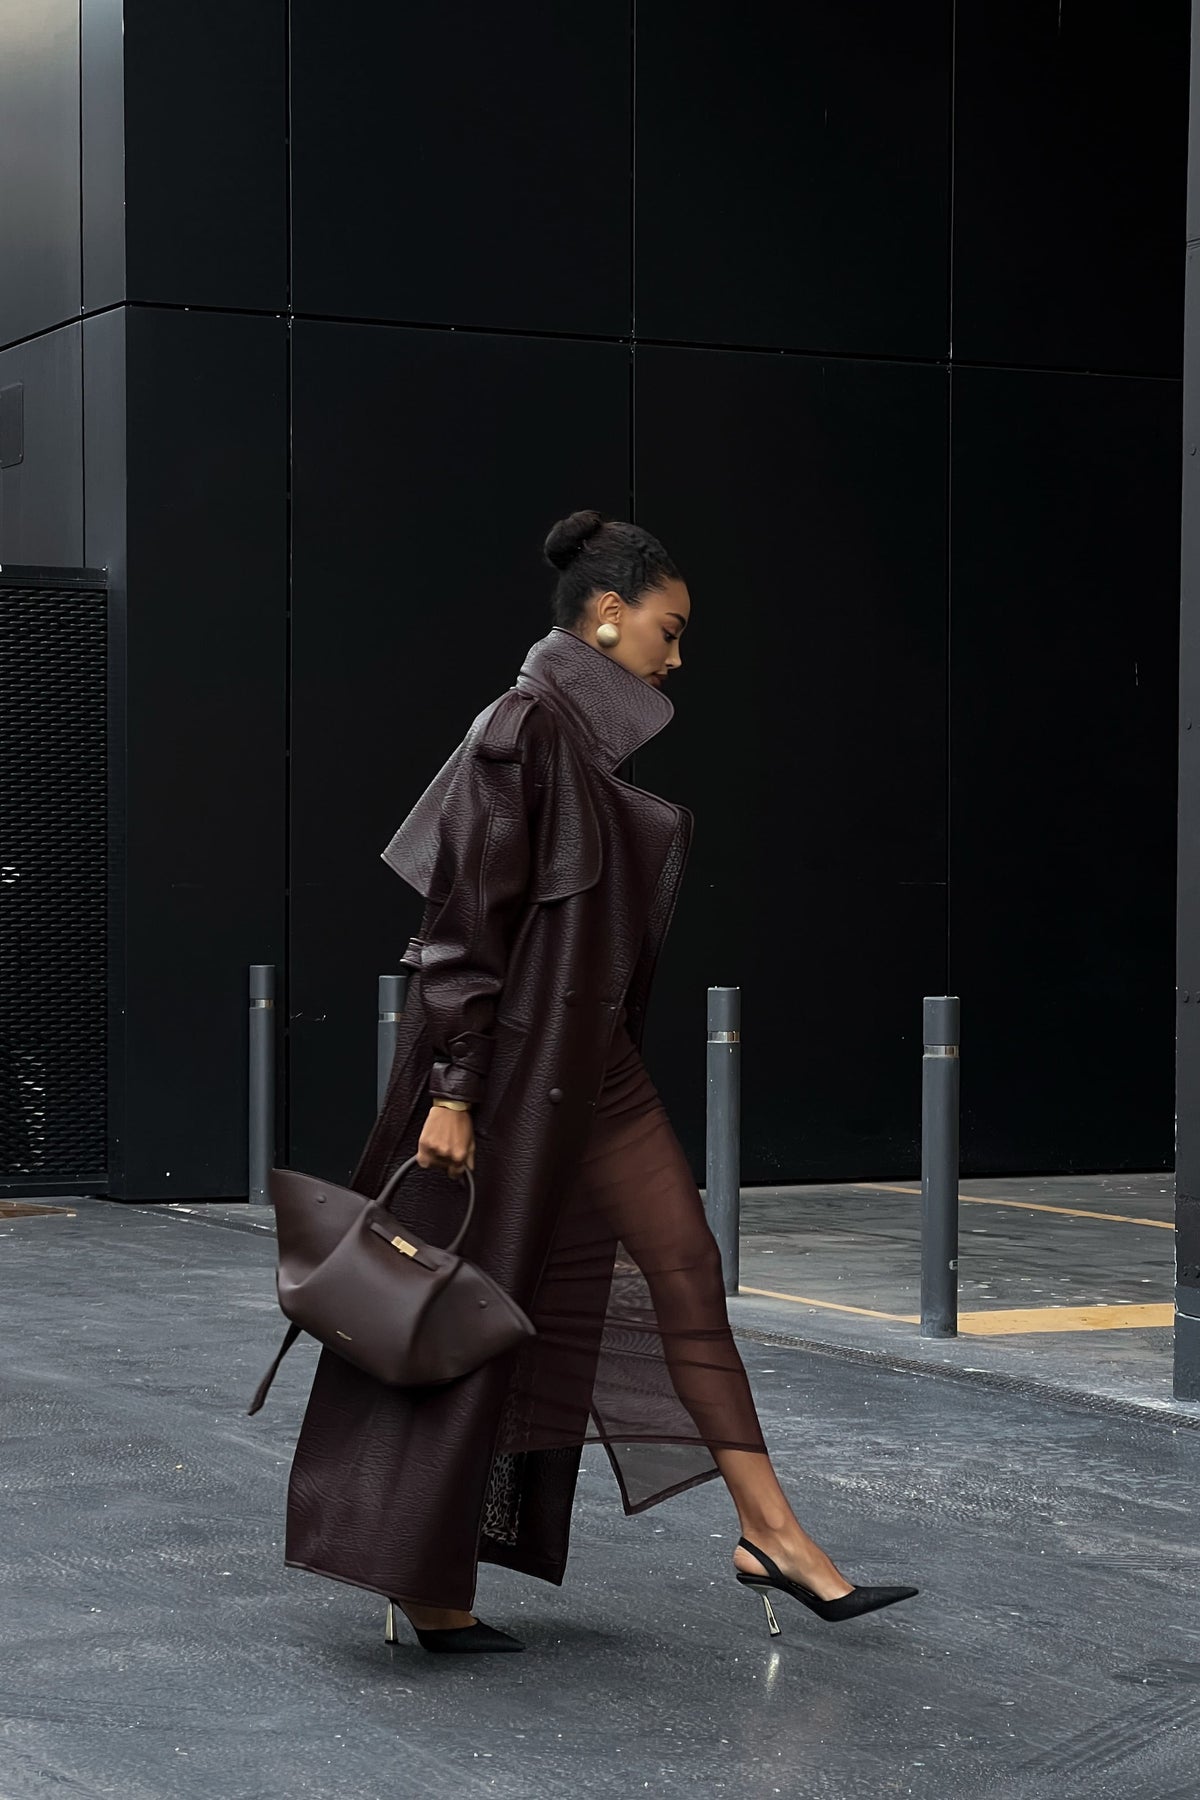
(464, 166)
(793, 175)
(41, 496)
(1070, 163)
(206, 151)
(805, 501)
(203, 668)
(1064, 664)
(39, 156)
(428, 468)
(104, 439)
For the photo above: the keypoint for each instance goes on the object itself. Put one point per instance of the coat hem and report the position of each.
(293, 1562)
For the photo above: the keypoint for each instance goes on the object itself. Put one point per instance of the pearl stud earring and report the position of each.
(608, 635)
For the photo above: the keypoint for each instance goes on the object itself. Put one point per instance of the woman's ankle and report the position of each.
(771, 1528)
(799, 1559)
(434, 1618)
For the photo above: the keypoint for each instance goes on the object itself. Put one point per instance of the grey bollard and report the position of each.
(261, 1109)
(393, 997)
(939, 1168)
(723, 1159)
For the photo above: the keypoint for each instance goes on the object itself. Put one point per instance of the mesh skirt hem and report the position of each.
(678, 1439)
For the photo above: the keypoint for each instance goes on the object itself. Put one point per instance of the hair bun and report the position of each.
(569, 536)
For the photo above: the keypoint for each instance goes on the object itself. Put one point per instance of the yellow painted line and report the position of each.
(1070, 1212)
(34, 1212)
(1065, 1318)
(1013, 1323)
(864, 1312)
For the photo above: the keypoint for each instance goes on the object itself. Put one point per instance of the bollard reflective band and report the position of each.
(724, 1037)
(390, 1018)
(263, 1005)
(941, 1049)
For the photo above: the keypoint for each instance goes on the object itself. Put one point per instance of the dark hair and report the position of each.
(594, 555)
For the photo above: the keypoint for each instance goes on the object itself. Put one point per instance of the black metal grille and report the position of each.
(53, 878)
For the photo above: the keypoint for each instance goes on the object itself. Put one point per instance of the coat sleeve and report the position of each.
(483, 870)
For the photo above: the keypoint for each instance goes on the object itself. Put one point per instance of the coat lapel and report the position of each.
(613, 712)
(607, 714)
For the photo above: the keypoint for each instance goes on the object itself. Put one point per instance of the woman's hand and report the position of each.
(447, 1141)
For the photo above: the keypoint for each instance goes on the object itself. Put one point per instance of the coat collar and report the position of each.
(616, 711)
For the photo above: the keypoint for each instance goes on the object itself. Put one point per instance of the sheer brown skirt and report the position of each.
(633, 1348)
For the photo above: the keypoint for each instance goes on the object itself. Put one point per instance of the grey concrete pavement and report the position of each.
(153, 1646)
(1066, 1282)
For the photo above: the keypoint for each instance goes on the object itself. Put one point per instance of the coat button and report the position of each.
(555, 1095)
(570, 996)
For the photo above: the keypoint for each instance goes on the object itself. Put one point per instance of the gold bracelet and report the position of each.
(454, 1105)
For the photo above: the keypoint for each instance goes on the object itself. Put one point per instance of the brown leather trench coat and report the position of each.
(549, 885)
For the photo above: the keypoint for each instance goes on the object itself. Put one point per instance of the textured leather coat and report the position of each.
(549, 884)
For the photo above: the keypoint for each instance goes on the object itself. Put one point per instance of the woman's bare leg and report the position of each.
(767, 1520)
(641, 1187)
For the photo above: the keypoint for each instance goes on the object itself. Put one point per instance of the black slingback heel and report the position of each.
(456, 1640)
(849, 1606)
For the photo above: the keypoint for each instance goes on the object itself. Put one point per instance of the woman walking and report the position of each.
(549, 883)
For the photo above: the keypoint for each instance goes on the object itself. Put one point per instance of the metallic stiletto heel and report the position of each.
(773, 1625)
(389, 1625)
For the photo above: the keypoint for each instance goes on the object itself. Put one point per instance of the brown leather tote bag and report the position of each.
(401, 1310)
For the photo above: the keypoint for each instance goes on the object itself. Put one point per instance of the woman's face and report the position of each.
(650, 631)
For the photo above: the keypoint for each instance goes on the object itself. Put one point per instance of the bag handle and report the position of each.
(393, 1182)
(389, 1187)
